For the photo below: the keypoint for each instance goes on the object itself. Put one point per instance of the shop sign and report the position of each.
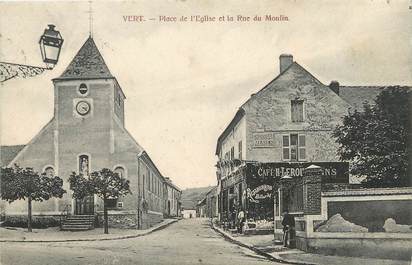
(263, 139)
(259, 193)
(332, 172)
(232, 180)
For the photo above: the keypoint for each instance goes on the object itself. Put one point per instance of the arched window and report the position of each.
(121, 171)
(49, 171)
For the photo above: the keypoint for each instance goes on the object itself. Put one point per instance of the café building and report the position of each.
(278, 132)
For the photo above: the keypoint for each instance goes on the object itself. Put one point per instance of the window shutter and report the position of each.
(285, 147)
(240, 150)
(302, 147)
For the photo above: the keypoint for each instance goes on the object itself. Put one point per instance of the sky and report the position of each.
(184, 81)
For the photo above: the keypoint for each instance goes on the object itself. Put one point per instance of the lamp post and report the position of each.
(50, 46)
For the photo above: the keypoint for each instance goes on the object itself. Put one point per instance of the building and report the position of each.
(173, 199)
(189, 213)
(211, 203)
(207, 207)
(88, 133)
(280, 130)
(201, 208)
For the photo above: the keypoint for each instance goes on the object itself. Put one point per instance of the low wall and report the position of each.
(119, 219)
(364, 246)
(370, 208)
(38, 221)
(373, 223)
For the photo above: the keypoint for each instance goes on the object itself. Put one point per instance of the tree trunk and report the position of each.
(106, 223)
(29, 214)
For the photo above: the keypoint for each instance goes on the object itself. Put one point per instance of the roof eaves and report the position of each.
(83, 78)
(145, 154)
(238, 116)
(268, 84)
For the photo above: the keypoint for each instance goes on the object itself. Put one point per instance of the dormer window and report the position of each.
(297, 110)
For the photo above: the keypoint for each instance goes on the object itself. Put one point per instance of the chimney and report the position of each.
(334, 86)
(285, 61)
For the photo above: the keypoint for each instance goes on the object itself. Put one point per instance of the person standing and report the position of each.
(240, 220)
(288, 223)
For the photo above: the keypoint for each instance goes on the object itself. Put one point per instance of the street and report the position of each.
(189, 241)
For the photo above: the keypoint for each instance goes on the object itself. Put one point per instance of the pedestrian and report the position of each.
(288, 223)
(240, 221)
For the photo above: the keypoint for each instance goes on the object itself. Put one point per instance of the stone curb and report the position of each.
(160, 227)
(256, 250)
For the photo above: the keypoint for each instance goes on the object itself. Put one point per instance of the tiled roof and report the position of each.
(357, 95)
(88, 63)
(8, 152)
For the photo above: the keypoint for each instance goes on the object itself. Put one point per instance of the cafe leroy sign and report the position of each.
(332, 172)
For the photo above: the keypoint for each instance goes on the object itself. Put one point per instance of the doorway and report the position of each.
(84, 206)
(168, 208)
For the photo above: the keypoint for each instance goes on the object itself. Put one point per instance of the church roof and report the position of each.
(87, 64)
(8, 153)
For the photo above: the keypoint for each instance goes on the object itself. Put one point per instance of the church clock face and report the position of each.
(83, 108)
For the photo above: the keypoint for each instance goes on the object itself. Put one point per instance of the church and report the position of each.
(87, 133)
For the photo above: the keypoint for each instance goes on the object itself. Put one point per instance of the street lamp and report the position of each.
(50, 46)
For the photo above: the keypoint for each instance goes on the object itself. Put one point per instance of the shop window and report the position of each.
(240, 150)
(294, 147)
(297, 110)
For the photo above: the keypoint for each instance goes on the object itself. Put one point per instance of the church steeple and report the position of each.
(87, 64)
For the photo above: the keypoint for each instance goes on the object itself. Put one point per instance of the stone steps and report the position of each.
(78, 223)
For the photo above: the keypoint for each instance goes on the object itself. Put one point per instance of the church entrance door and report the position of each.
(84, 206)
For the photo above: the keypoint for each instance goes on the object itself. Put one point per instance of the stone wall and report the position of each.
(270, 111)
(384, 248)
(119, 220)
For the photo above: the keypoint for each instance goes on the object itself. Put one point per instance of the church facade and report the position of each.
(87, 133)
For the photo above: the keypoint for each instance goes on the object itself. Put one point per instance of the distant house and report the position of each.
(189, 213)
(201, 208)
(207, 207)
(173, 199)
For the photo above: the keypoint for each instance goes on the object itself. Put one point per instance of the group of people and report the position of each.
(288, 223)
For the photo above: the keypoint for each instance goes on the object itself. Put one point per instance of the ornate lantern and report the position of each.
(50, 45)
